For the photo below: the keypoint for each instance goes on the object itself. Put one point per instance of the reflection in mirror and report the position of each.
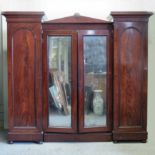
(95, 65)
(59, 63)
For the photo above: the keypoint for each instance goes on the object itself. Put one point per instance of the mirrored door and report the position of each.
(94, 81)
(61, 81)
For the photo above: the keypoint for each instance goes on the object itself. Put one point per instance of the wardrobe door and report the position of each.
(130, 75)
(24, 76)
(95, 80)
(60, 81)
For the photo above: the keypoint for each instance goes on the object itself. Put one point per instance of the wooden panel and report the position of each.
(129, 77)
(130, 136)
(24, 68)
(131, 74)
(24, 76)
(85, 137)
(37, 137)
(23, 49)
(78, 26)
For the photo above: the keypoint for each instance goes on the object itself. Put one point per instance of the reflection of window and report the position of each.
(54, 42)
(95, 53)
(59, 48)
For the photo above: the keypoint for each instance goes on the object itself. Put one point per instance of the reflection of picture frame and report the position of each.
(54, 92)
(58, 91)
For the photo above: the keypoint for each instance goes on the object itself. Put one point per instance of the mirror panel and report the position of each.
(95, 69)
(59, 64)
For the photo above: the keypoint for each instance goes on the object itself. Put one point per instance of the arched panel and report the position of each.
(131, 73)
(23, 50)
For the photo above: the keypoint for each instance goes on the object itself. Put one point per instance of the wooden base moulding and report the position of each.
(86, 137)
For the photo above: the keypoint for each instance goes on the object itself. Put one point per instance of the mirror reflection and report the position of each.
(59, 63)
(95, 81)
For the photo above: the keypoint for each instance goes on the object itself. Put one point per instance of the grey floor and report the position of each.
(72, 148)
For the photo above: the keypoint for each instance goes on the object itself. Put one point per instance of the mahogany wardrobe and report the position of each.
(77, 78)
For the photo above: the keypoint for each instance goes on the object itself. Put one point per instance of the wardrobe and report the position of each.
(77, 78)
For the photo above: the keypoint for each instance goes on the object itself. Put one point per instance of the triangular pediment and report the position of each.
(77, 19)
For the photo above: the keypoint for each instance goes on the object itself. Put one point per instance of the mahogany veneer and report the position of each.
(24, 76)
(127, 44)
(130, 75)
